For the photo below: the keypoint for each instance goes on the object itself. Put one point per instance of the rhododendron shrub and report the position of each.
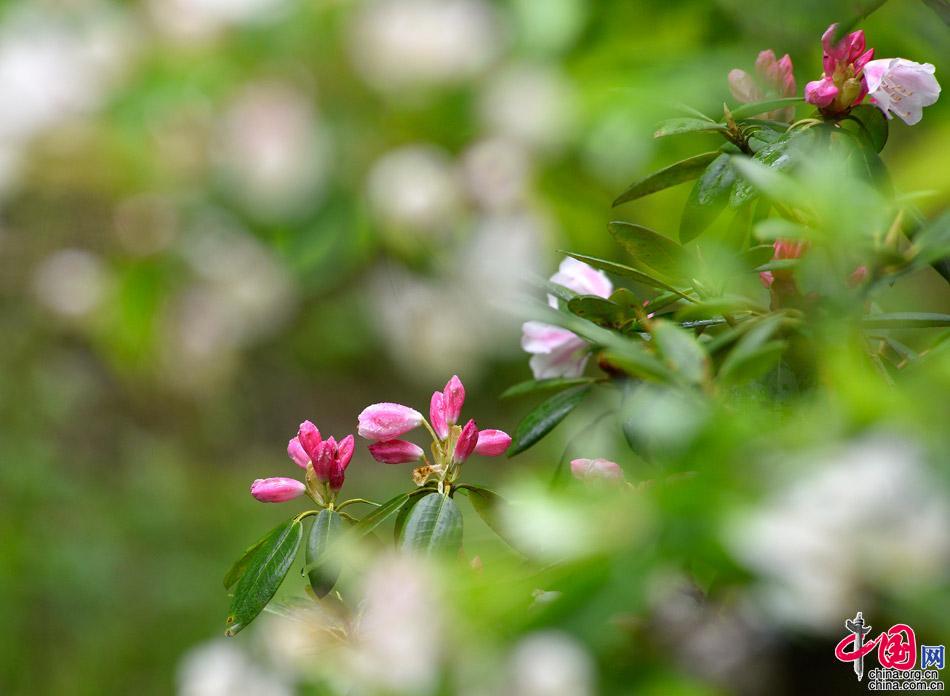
(790, 236)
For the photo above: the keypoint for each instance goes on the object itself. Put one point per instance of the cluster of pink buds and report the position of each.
(784, 249)
(452, 444)
(773, 78)
(324, 461)
(843, 84)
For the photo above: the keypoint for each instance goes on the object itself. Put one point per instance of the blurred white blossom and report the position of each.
(222, 668)
(416, 188)
(146, 224)
(868, 516)
(273, 151)
(399, 44)
(71, 282)
(197, 20)
(550, 663)
(533, 104)
(496, 171)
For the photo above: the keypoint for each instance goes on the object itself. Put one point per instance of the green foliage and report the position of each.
(545, 417)
(433, 526)
(321, 561)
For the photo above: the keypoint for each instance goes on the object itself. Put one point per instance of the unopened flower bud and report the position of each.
(277, 490)
(396, 452)
(309, 438)
(592, 469)
(437, 415)
(297, 453)
(466, 443)
(492, 443)
(387, 421)
(453, 399)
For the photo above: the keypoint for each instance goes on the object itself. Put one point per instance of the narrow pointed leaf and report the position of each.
(323, 568)
(434, 526)
(534, 386)
(544, 417)
(265, 571)
(906, 320)
(675, 126)
(240, 565)
(750, 110)
(682, 351)
(651, 251)
(380, 514)
(684, 170)
(708, 198)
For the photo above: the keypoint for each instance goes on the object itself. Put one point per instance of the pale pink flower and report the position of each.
(396, 452)
(902, 87)
(843, 83)
(386, 421)
(466, 443)
(277, 490)
(557, 352)
(593, 469)
(492, 443)
(297, 453)
(454, 398)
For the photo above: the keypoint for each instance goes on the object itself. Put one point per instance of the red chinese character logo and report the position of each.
(897, 648)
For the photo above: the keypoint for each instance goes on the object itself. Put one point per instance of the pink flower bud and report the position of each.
(743, 87)
(453, 399)
(344, 452)
(309, 438)
(492, 443)
(395, 452)
(437, 415)
(821, 92)
(466, 443)
(323, 459)
(297, 453)
(387, 421)
(277, 490)
(592, 469)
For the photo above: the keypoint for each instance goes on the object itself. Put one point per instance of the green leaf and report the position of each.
(942, 8)
(717, 306)
(487, 503)
(263, 575)
(753, 354)
(380, 514)
(651, 251)
(323, 568)
(681, 350)
(675, 126)
(758, 255)
(626, 271)
(707, 198)
(240, 566)
(775, 156)
(873, 125)
(545, 416)
(775, 228)
(684, 170)
(933, 242)
(638, 362)
(534, 386)
(434, 526)
(599, 310)
(749, 110)
(406, 508)
(905, 320)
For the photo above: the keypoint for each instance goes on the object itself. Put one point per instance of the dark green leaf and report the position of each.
(544, 417)
(873, 125)
(675, 126)
(321, 564)
(941, 7)
(638, 362)
(599, 310)
(380, 514)
(707, 198)
(776, 156)
(264, 572)
(906, 320)
(685, 170)
(404, 511)
(651, 251)
(749, 110)
(758, 255)
(434, 526)
(534, 386)
(752, 355)
(240, 565)
(681, 350)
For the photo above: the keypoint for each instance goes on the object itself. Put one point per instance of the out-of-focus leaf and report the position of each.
(775, 228)
(717, 306)
(434, 526)
(599, 310)
(323, 569)
(545, 416)
(534, 386)
(264, 573)
(757, 255)
(626, 271)
(941, 7)
(681, 351)
(905, 320)
(675, 126)
(776, 157)
(749, 110)
(684, 170)
(636, 361)
(873, 125)
(650, 250)
(707, 198)
(933, 242)
(487, 504)
(753, 354)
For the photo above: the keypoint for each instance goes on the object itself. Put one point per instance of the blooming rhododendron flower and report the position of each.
(451, 444)
(326, 459)
(843, 84)
(557, 352)
(901, 87)
(592, 469)
(773, 78)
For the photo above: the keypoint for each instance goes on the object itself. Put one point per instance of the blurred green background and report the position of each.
(221, 217)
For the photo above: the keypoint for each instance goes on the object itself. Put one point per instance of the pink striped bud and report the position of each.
(492, 443)
(453, 399)
(309, 438)
(592, 469)
(466, 443)
(396, 452)
(277, 490)
(297, 453)
(323, 459)
(386, 421)
(437, 415)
